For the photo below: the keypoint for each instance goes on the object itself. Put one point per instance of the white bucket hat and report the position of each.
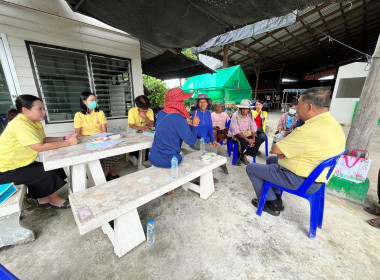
(244, 104)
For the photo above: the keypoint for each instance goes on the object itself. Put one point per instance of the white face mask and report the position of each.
(292, 111)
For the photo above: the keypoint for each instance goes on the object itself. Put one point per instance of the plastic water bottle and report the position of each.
(174, 167)
(202, 145)
(150, 232)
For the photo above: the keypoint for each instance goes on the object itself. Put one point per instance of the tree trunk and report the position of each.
(368, 111)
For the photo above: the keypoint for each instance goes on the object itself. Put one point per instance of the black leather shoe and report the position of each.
(255, 202)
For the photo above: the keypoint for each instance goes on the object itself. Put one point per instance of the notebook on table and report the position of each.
(6, 191)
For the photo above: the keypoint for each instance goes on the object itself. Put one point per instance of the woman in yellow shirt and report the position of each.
(20, 143)
(91, 120)
(260, 117)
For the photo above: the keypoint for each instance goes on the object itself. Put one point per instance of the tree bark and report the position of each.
(368, 111)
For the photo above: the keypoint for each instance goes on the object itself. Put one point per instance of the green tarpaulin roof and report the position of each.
(228, 85)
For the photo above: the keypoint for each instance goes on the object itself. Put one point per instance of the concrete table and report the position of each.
(76, 158)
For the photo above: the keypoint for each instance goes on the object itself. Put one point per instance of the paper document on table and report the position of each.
(102, 144)
(103, 134)
(148, 133)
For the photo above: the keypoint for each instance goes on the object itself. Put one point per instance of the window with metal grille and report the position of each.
(111, 78)
(63, 74)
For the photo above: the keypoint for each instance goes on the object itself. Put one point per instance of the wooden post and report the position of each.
(368, 111)
(225, 56)
(256, 66)
(225, 65)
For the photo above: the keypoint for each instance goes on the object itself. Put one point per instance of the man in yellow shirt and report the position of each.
(141, 117)
(320, 138)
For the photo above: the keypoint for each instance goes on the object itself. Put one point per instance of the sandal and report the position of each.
(372, 211)
(374, 222)
(65, 205)
(245, 161)
(114, 177)
(224, 168)
(255, 202)
(109, 177)
(44, 205)
(169, 193)
(238, 162)
(216, 180)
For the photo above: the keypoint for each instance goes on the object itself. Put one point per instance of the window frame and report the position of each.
(30, 44)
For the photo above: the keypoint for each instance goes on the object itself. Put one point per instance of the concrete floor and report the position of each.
(218, 238)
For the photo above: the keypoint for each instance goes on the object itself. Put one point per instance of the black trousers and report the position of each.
(40, 183)
(243, 144)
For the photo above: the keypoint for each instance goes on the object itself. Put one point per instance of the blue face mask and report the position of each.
(92, 105)
(292, 111)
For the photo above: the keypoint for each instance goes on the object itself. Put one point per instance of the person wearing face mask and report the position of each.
(90, 120)
(21, 141)
(288, 121)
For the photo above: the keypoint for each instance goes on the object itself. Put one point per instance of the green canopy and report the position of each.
(228, 85)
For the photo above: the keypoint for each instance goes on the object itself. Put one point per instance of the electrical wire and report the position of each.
(331, 39)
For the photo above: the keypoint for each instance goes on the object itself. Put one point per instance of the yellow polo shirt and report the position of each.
(264, 118)
(15, 140)
(90, 123)
(320, 138)
(134, 117)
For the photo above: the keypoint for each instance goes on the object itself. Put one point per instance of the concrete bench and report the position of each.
(119, 199)
(11, 231)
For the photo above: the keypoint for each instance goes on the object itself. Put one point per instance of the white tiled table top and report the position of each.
(77, 154)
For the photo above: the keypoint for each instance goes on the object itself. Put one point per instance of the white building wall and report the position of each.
(342, 109)
(53, 22)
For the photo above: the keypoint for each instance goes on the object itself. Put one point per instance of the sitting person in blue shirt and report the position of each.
(205, 127)
(173, 126)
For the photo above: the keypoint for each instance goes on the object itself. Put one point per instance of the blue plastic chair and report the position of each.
(6, 274)
(316, 200)
(233, 145)
(228, 140)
